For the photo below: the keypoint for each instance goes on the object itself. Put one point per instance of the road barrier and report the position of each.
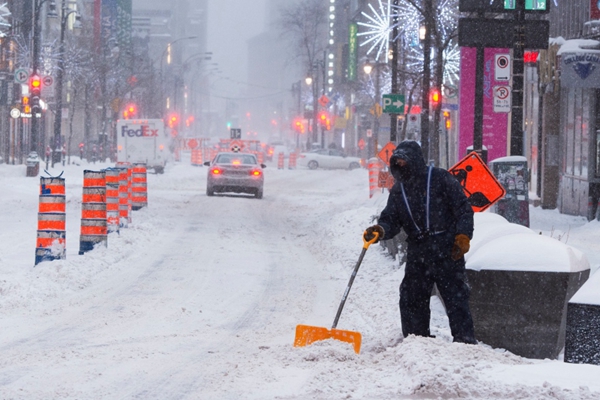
(374, 167)
(261, 157)
(197, 157)
(51, 232)
(93, 211)
(112, 199)
(139, 189)
(280, 159)
(292, 160)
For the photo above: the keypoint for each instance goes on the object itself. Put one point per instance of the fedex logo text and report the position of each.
(144, 131)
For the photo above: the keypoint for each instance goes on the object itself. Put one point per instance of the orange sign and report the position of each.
(479, 183)
(386, 153)
(385, 180)
(236, 145)
(361, 143)
(192, 143)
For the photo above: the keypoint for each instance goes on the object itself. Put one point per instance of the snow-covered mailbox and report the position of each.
(582, 344)
(521, 283)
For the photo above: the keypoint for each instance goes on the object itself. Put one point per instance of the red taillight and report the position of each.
(256, 172)
(216, 171)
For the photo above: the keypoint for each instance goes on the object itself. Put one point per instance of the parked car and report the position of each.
(328, 158)
(235, 172)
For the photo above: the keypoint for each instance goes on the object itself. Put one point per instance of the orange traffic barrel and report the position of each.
(112, 199)
(51, 232)
(261, 157)
(280, 158)
(197, 157)
(374, 167)
(123, 198)
(139, 191)
(93, 211)
(292, 160)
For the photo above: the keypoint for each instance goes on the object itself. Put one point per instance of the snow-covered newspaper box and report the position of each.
(521, 283)
(143, 141)
(582, 344)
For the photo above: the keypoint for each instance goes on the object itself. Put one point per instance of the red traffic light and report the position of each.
(35, 85)
(173, 120)
(436, 97)
(130, 111)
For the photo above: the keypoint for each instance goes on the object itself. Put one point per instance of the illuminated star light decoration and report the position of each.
(409, 21)
(4, 12)
(377, 29)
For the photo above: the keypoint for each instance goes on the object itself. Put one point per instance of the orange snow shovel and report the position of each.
(306, 334)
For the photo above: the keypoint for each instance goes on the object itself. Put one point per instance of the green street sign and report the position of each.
(393, 103)
(530, 5)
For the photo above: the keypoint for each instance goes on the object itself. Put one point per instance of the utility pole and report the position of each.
(35, 122)
(516, 122)
(64, 15)
(427, 11)
(394, 60)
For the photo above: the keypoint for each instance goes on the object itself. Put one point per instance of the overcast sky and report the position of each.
(231, 24)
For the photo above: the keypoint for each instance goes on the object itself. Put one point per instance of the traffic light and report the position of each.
(298, 125)
(130, 111)
(26, 106)
(35, 89)
(324, 120)
(447, 120)
(173, 120)
(435, 98)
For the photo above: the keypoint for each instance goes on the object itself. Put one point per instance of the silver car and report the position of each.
(328, 158)
(235, 172)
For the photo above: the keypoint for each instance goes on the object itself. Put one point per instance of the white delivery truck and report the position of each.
(143, 141)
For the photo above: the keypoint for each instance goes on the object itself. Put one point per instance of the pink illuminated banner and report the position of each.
(495, 124)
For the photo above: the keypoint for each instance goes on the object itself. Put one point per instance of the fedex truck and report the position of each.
(143, 141)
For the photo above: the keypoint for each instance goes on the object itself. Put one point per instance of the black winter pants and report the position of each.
(415, 294)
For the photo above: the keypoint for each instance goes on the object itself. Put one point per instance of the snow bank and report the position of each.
(500, 245)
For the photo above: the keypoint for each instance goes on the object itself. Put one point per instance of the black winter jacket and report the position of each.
(449, 211)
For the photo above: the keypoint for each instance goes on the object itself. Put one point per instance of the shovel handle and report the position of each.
(367, 243)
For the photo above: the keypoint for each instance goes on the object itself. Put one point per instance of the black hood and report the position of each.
(409, 151)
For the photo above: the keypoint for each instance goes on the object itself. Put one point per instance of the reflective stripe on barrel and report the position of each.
(52, 186)
(51, 221)
(52, 204)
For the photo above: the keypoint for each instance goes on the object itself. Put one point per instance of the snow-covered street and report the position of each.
(200, 296)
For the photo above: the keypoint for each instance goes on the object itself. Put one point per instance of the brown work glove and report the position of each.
(369, 233)
(462, 244)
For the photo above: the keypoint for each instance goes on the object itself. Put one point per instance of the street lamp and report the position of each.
(372, 141)
(57, 154)
(162, 57)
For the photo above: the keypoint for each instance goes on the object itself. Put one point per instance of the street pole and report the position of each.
(57, 154)
(376, 122)
(323, 129)
(394, 60)
(428, 11)
(162, 56)
(35, 123)
(516, 122)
